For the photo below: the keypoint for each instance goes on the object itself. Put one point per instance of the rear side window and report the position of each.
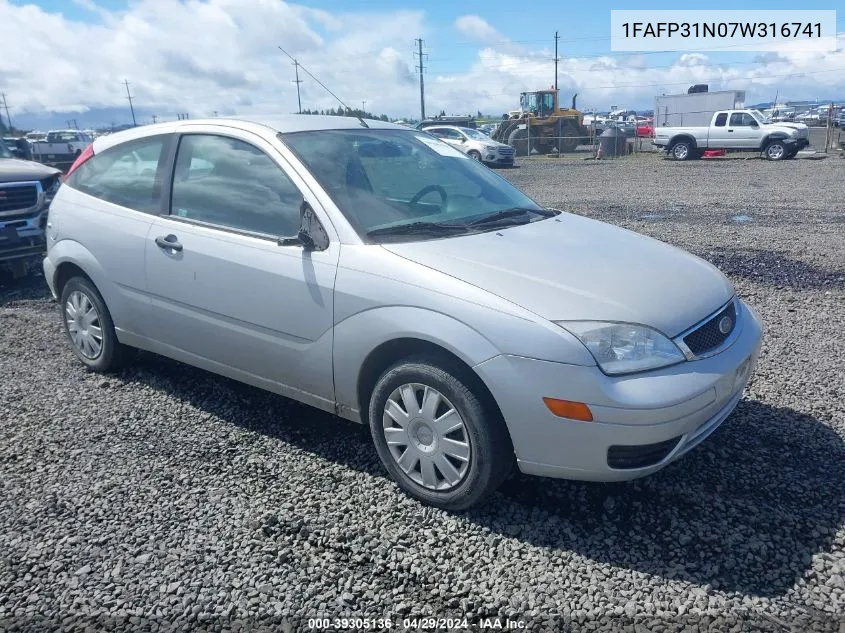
(230, 183)
(129, 174)
(721, 119)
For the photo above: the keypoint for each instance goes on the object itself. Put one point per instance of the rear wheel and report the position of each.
(682, 150)
(570, 139)
(89, 327)
(436, 435)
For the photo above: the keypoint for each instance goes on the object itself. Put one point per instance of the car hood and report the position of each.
(786, 127)
(574, 268)
(13, 170)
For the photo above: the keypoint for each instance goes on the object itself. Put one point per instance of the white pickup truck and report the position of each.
(737, 131)
(60, 146)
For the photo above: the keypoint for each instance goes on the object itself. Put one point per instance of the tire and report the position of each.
(469, 454)
(571, 139)
(518, 139)
(682, 150)
(474, 155)
(775, 150)
(79, 296)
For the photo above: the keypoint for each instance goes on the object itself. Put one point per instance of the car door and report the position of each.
(745, 131)
(718, 135)
(225, 294)
(108, 205)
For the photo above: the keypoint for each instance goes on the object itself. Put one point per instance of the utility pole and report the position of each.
(155, 119)
(131, 108)
(421, 68)
(557, 37)
(363, 106)
(6, 106)
(297, 81)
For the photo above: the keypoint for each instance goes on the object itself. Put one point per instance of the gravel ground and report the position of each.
(166, 497)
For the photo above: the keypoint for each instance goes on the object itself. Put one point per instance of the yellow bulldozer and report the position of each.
(542, 126)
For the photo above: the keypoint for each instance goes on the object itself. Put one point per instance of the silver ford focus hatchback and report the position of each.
(376, 272)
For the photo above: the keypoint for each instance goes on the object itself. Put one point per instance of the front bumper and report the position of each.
(663, 413)
(22, 236)
(799, 144)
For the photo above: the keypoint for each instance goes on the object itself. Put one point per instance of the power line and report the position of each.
(315, 79)
(421, 68)
(131, 107)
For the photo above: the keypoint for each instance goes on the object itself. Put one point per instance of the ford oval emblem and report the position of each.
(725, 324)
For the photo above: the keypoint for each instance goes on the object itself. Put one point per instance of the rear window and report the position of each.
(129, 174)
(721, 119)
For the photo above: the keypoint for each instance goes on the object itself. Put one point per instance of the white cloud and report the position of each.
(476, 27)
(201, 56)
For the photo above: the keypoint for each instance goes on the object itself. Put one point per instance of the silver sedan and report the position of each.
(378, 273)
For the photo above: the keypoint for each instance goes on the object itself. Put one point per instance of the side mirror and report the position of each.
(311, 235)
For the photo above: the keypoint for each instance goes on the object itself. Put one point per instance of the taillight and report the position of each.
(87, 153)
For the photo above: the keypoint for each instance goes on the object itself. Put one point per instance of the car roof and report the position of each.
(284, 124)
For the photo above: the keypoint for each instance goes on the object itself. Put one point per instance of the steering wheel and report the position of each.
(427, 190)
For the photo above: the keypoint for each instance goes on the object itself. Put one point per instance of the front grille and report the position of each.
(506, 150)
(708, 337)
(16, 197)
(640, 456)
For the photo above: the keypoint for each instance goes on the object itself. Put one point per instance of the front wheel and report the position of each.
(437, 436)
(474, 155)
(775, 150)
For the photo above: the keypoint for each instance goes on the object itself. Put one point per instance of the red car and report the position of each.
(645, 128)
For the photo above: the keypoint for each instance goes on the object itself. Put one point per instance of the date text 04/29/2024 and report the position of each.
(414, 623)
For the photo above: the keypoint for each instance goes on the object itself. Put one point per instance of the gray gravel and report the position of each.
(168, 497)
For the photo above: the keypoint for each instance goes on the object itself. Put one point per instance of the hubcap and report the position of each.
(83, 325)
(775, 151)
(426, 436)
(681, 151)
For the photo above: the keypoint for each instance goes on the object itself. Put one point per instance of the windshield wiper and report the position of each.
(417, 228)
(514, 212)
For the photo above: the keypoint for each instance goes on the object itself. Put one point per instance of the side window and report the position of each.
(738, 119)
(436, 131)
(228, 182)
(721, 119)
(129, 174)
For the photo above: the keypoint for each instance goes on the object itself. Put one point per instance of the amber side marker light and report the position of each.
(569, 409)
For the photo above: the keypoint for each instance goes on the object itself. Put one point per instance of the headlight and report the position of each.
(490, 148)
(624, 348)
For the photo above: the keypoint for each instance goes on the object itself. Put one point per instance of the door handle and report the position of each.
(169, 241)
(731, 131)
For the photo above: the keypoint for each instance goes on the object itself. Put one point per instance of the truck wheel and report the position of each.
(436, 434)
(775, 150)
(682, 150)
(518, 139)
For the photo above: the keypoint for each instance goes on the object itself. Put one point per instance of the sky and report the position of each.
(68, 59)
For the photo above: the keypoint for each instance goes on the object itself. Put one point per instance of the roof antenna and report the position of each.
(315, 79)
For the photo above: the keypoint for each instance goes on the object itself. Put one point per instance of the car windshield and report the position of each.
(475, 134)
(758, 116)
(384, 180)
(4, 151)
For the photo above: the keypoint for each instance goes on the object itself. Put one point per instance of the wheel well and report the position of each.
(65, 272)
(391, 352)
(689, 139)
